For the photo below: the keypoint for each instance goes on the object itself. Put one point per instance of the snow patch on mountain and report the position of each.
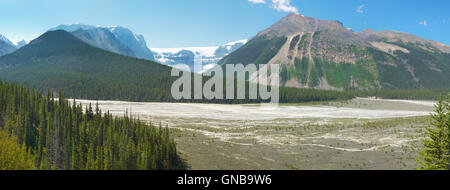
(6, 46)
(200, 51)
(6, 40)
(134, 42)
(244, 41)
(211, 55)
(21, 43)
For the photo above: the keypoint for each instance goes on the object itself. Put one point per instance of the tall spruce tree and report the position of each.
(435, 155)
(448, 131)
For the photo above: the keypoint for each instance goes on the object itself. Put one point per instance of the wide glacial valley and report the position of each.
(355, 134)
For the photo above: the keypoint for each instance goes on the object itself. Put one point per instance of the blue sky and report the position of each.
(183, 23)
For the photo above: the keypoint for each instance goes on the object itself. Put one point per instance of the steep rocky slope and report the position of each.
(325, 55)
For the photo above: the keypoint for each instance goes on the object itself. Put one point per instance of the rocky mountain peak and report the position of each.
(122, 40)
(296, 23)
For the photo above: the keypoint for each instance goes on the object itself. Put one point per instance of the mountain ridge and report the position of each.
(6, 46)
(117, 39)
(59, 60)
(325, 55)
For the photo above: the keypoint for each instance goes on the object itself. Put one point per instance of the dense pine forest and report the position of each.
(40, 132)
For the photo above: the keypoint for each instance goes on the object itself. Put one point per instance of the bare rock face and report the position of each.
(314, 38)
(324, 54)
(394, 36)
(295, 23)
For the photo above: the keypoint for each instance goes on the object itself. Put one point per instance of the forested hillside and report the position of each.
(58, 135)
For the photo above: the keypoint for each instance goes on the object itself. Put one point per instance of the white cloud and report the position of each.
(284, 5)
(424, 23)
(279, 5)
(359, 9)
(257, 1)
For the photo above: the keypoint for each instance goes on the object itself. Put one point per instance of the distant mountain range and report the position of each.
(324, 54)
(6, 46)
(60, 61)
(313, 53)
(116, 39)
(211, 55)
(123, 41)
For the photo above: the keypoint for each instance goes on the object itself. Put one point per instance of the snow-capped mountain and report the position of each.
(228, 48)
(6, 40)
(136, 42)
(115, 39)
(73, 27)
(103, 38)
(21, 44)
(185, 56)
(6, 46)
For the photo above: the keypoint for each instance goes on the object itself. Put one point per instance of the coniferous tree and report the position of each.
(59, 135)
(435, 155)
(14, 156)
(448, 132)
